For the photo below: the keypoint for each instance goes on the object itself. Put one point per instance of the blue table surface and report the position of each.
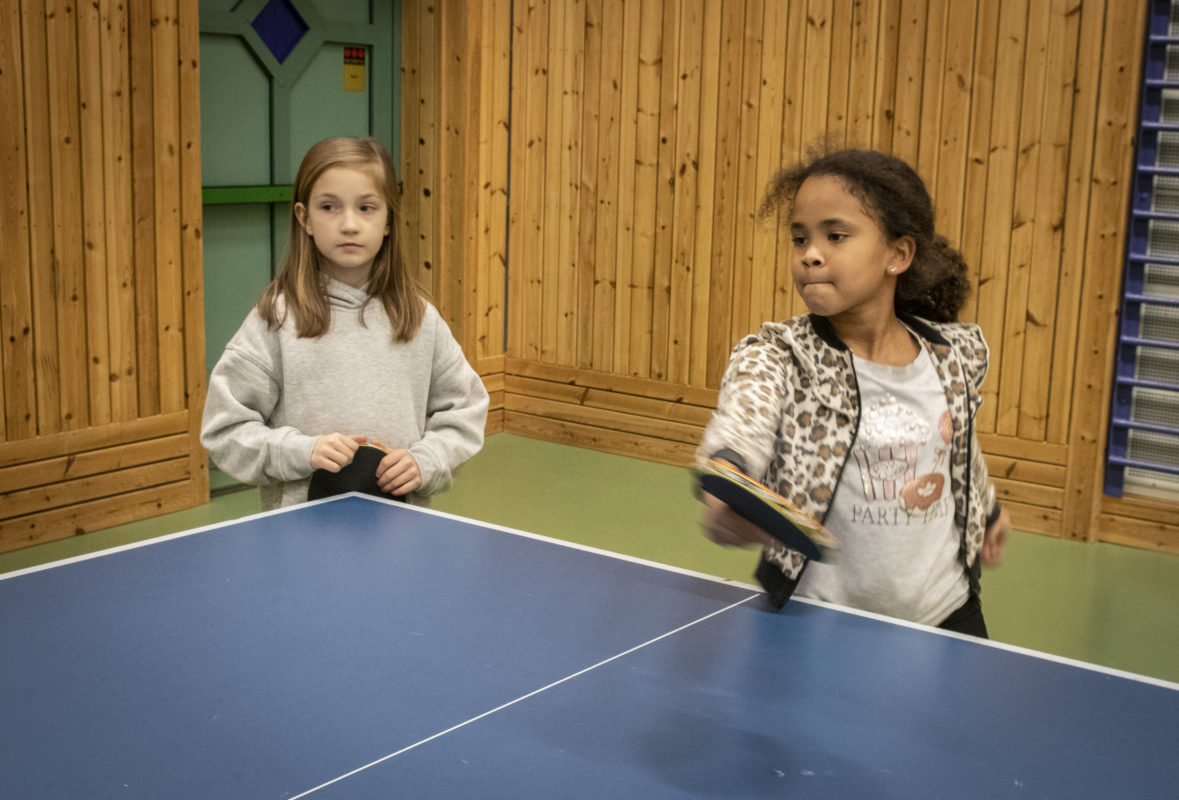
(360, 649)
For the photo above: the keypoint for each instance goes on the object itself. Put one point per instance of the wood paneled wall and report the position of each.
(455, 78)
(456, 82)
(640, 137)
(581, 179)
(102, 356)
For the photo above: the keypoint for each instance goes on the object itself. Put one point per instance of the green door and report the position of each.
(276, 77)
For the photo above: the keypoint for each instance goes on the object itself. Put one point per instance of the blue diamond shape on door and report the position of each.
(280, 27)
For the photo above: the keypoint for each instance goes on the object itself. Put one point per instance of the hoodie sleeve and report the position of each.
(456, 415)
(244, 389)
(748, 407)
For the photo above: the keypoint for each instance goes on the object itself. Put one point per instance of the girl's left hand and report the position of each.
(398, 473)
(995, 539)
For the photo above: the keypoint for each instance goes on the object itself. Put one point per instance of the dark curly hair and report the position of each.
(935, 286)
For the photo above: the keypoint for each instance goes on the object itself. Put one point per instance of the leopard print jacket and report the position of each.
(788, 414)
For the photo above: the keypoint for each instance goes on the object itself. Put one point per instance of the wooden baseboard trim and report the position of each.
(80, 518)
(633, 445)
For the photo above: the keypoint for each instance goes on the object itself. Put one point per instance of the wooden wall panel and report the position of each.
(771, 104)
(454, 211)
(17, 344)
(1103, 245)
(722, 155)
(100, 301)
(643, 132)
(117, 183)
(580, 184)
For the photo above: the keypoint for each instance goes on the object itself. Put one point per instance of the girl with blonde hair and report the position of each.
(342, 350)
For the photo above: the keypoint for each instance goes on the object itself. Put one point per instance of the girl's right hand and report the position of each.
(726, 527)
(334, 451)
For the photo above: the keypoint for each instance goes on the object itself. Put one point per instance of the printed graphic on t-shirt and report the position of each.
(898, 458)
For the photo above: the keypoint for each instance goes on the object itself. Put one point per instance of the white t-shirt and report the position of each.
(893, 512)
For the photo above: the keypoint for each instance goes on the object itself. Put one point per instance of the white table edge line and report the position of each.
(16, 573)
(992, 643)
(571, 545)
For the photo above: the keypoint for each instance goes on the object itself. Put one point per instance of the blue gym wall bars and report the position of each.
(1143, 444)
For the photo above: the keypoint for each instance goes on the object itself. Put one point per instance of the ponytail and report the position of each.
(936, 286)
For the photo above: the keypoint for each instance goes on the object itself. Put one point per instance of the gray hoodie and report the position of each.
(272, 394)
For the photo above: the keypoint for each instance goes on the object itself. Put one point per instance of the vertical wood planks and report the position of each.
(747, 316)
(765, 282)
(1104, 245)
(143, 90)
(906, 132)
(687, 174)
(1037, 393)
(816, 95)
(17, 365)
(568, 149)
(428, 100)
(991, 291)
(838, 31)
(457, 81)
(952, 138)
(629, 121)
(531, 184)
(795, 140)
(933, 76)
(102, 311)
(94, 224)
(1081, 137)
(721, 185)
(116, 145)
(552, 267)
(584, 264)
(974, 201)
(887, 56)
(1019, 263)
(459, 60)
(615, 161)
(191, 238)
(411, 168)
(40, 220)
(646, 189)
(108, 284)
(67, 268)
(169, 275)
(500, 148)
(865, 85)
(484, 303)
(699, 280)
(665, 192)
(644, 132)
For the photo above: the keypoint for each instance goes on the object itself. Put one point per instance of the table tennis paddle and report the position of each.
(358, 476)
(767, 509)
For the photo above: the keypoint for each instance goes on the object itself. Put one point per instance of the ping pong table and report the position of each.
(355, 648)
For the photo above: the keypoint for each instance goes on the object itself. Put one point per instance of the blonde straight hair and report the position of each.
(300, 283)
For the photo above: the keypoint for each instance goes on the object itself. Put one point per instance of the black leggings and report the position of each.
(967, 619)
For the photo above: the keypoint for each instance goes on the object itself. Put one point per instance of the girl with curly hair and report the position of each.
(862, 411)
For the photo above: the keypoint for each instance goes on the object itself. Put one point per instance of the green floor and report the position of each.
(1110, 605)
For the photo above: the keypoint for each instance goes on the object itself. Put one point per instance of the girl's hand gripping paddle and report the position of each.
(767, 509)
